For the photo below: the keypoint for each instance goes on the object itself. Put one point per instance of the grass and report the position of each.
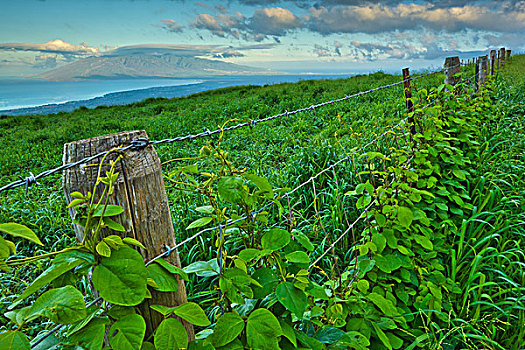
(487, 260)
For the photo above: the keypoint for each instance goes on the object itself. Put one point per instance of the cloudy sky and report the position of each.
(323, 35)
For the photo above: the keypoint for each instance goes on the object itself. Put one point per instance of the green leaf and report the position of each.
(231, 189)
(14, 340)
(103, 249)
(121, 278)
(424, 242)
(388, 262)
(172, 268)
(133, 241)
(164, 280)
(303, 240)
(6, 248)
(192, 313)
(288, 331)
(263, 330)
(61, 305)
(249, 254)
(112, 224)
(128, 333)
(117, 311)
(385, 305)
(91, 337)
(382, 336)
(405, 216)
(162, 309)
(200, 222)
(17, 230)
(363, 285)
(207, 209)
(298, 257)
(262, 184)
(171, 334)
(275, 239)
(227, 328)
(268, 279)
(111, 210)
(292, 298)
(459, 174)
(203, 268)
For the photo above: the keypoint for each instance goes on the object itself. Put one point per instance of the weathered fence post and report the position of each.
(492, 61)
(140, 191)
(501, 56)
(483, 66)
(476, 75)
(408, 96)
(452, 66)
(507, 55)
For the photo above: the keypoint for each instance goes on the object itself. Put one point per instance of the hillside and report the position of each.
(413, 241)
(143, 66)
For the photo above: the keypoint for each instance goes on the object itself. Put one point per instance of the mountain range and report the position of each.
(144, 66)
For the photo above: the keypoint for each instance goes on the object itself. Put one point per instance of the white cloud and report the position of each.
(53, 46)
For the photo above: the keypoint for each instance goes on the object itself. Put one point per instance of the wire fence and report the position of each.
(141, 143)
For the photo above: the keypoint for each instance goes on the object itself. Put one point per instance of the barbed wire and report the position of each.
(169, 250)
(141, 143)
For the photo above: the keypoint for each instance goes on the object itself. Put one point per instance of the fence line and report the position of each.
(141, 143)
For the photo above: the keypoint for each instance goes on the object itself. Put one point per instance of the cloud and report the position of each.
(275, 21)
(53, 46)
(220, 25)
(217, 51)
(165, 49)
(377, 18)
(327, 51)
(172, 26)
(228, 54)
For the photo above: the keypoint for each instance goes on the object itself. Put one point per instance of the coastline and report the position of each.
(192, 85)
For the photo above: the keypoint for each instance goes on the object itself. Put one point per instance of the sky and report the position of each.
(307, 36)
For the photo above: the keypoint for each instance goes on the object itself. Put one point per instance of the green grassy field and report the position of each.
(462, 289)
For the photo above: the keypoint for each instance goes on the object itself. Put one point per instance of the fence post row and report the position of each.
(141, 192)
(408, 96)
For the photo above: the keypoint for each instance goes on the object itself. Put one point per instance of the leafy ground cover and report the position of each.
(435, 261)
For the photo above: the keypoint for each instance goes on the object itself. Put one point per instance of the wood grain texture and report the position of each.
(141, 192)
(452, 66)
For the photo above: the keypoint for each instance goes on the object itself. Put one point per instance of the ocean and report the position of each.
(34, 96)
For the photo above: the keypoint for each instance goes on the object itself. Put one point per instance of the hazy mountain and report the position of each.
(144, 66)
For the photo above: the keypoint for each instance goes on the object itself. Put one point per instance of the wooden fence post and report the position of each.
(501, 56)
(452, 67)
(408, 96)
(507, 55)
(483, 66)
(492, 61)
(476, 75)
(141, 192)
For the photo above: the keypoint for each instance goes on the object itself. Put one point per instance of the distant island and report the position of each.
(144, 66)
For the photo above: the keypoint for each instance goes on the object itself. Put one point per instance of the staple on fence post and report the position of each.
(452, 67)
(483, 65)
(141, 192)
(408, 96)
(492, 61)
